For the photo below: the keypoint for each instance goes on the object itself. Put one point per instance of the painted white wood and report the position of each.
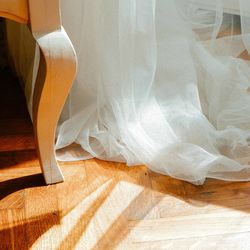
(56, 72)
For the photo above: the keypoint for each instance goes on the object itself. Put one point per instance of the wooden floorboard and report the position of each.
(105, 205)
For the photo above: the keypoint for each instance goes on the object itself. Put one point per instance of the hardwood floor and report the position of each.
(105, 205)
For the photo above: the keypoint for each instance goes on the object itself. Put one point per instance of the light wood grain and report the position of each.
(16, 10)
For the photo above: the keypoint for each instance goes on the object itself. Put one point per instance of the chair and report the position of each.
(56, 73)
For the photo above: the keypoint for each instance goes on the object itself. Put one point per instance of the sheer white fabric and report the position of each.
(156, 86)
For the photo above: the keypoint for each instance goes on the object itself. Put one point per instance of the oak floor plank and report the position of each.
(238, 241)
(42, 216)
(12, 229)
(5, 230)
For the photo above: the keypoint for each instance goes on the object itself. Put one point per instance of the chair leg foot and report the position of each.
(55, 76)
(45, 137)
(52, 173)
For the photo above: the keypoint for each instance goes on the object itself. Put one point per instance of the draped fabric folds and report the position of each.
(157, 85)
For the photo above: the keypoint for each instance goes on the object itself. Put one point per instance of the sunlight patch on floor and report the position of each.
(106, 214)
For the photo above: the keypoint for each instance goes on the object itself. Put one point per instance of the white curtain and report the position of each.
(160, 83)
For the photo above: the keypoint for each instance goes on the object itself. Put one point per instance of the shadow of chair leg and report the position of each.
(11, 186)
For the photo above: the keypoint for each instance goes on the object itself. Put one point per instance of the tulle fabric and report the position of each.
(156, 85)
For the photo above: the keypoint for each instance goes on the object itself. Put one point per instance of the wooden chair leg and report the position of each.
(56, 73)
